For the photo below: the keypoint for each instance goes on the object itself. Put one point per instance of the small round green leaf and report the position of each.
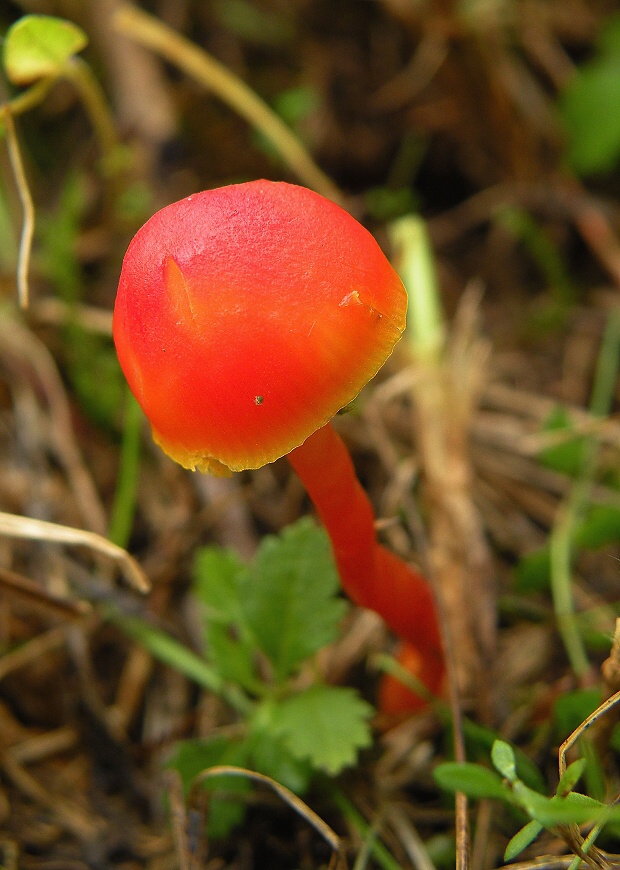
(38, 46)
(571, 777)
(503, 758)
(522, 840)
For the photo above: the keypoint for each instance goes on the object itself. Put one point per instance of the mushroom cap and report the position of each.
(247, 316)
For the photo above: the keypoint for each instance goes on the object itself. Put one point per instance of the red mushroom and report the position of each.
(246, 317)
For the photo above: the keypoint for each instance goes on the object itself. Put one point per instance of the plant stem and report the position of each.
(371, 575)
(27, 233)
(31, 97)
(425, 321)
(95, 103)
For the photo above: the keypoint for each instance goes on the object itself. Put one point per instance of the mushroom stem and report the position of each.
(371, 575)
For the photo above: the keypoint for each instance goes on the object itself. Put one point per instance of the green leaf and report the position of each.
(233, 658)
(228, 642)
(385, 204)
(38, 46)
(479, 741)
(216, 587)
(271, 757)
(326, 725)
(600, 527)
(595, 773)
(533, 571)
(570, 710)
(252, 24)
(571, 777)
(575, 808)
(294, 105)
(578, 808)
(590, 105)
(567, 456)
(522, 840)
(216, 575)
(284, 604)
(608, 42)
(590, 108)
(288, 597)
(472, 779)
(191, 757)
(503, 758)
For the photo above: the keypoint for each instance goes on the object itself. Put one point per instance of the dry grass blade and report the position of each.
(45, 745)
(80, 823)
(58, 313)
(32, 649)
(338, 862)
(38, 530)
(610, 668)
(446, 395)
(214, 76)
(178, 818)
(594, 857)
(410, 839)
(587, 723)
(37, 598)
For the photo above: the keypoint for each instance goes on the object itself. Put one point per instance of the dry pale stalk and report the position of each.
(445, 395)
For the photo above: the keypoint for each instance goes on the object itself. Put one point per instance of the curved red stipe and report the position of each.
(395, 700)
(371, 575)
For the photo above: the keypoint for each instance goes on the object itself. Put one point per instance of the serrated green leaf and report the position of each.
(37, 46)
(216, 574)
(472, 779)
(571, 777)
(326, 725)
(522, 840)
(271, 757)
(228, 642)
(191, 757)
(503, 758)
(232, 657)
(288, 597)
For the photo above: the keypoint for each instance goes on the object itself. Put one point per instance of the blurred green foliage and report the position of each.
(39, 46)
(590, 107)
(566, 807)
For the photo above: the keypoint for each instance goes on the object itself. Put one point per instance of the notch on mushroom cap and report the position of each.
(247, 316)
